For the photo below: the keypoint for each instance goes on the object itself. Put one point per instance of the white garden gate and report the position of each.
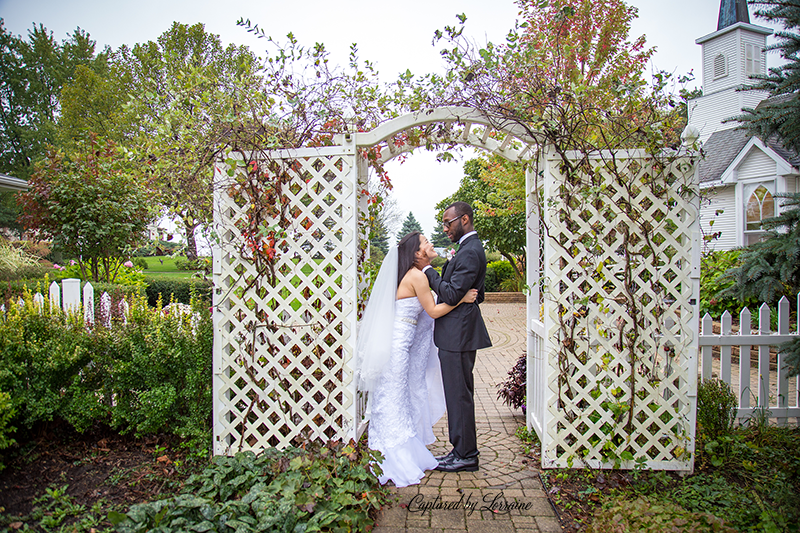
(285, 327)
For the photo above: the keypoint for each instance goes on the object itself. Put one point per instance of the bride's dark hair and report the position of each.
(406, 249)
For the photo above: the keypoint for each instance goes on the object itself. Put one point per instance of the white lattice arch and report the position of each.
(283, 350)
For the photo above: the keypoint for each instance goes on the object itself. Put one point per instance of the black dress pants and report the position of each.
(459, 392)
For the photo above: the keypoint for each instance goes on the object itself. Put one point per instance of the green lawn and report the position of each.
(163, 267)
(160, 263)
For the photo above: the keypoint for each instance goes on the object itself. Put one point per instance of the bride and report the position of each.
(402, 377)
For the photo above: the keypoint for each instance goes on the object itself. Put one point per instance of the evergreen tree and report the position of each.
(440, 238)
(379, 237)
(780, 113)
(409, 224)
(770, 268)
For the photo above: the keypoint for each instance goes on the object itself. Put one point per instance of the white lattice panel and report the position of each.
(284, 331)
(620, 314)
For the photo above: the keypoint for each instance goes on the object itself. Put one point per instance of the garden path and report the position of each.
(479, 502)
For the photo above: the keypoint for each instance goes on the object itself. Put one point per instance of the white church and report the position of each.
(740, 174)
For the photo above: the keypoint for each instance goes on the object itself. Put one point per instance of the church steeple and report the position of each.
(731, 12)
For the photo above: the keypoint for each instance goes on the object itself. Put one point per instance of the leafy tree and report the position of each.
(94, 103)
(190, 93)
(32, 74)
(91, 204)
(410, 224)
(499, 216)
(780, 114)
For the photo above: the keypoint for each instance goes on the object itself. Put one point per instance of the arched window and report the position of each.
(760, 205)
(719, 67)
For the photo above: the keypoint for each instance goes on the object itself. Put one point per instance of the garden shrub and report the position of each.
(716, 408)
(713, 283)
(156, 368)
(140, 262)
(502, 271)
(178, 290)
(513, 390)
(490, 282)
(317, 488)
(653, 515)
(201, 263)
(6, 414)
(14, 290)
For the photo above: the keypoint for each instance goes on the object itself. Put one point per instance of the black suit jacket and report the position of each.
(462, 329)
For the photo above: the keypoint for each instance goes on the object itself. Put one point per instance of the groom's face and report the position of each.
(452, 224)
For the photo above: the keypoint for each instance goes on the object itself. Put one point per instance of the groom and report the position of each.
(459, 334)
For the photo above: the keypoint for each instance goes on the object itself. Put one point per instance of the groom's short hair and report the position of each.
(462, 208)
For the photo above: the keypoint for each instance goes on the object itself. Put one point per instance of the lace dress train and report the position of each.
(409, 400)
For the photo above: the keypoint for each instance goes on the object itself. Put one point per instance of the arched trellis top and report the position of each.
(456, 126)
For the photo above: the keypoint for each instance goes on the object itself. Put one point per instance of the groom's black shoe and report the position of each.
(445, 458)
(457, 464)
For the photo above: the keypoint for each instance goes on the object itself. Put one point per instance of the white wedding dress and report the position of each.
(409, 399)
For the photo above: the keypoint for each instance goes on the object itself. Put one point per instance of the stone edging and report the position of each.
(505, 297)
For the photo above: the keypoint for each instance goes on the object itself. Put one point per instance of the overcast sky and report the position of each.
(395, 37)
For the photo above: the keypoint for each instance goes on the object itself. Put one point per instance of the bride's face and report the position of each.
(426, 248)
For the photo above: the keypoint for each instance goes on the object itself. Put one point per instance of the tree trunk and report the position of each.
(191, 242)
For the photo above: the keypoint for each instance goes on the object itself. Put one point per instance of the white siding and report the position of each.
(791, 184)
(707, 112)
(757, 164)
(727, 46)
(720, 199)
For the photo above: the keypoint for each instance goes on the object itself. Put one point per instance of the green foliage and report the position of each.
(153, 248)
(498, 272)
(409, 224)
(91, 203)
(499, 212)
(125, 276)
(329, 487)
(177, 290)
(139, 262)
(201, 263)
(651, 515)
(749, 477)
(779, 114)
(7, 413)
(714, 284)
(156, 368)
(716, 408)
(10, 212)
(189, 95)
(34, 71)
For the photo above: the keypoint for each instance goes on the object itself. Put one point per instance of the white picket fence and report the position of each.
(68, 297)
(767, 391)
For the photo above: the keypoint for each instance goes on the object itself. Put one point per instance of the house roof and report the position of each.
(7, 183)
(724, 146)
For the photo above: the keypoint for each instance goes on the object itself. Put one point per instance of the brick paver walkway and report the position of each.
(505, 495)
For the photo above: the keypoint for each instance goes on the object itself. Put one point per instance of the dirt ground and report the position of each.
(117, 471)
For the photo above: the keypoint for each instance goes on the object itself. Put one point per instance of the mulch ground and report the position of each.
(100, 466)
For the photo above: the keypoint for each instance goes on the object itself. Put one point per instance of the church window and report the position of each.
(760, 205)
(752, 59)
